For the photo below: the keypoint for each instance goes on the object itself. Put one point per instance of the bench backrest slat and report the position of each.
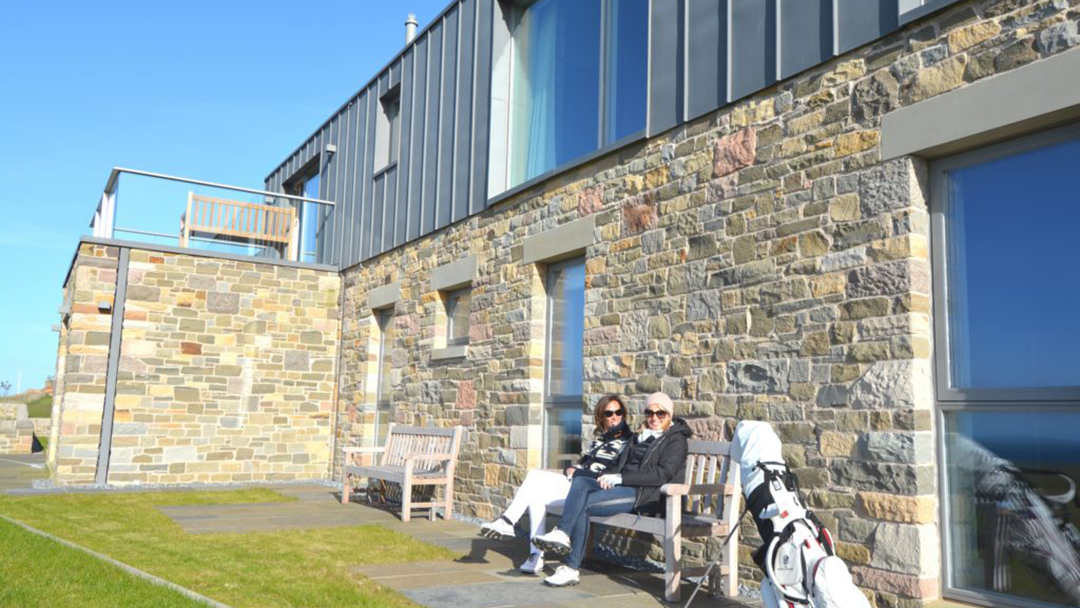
(708, 462)
(403, 441)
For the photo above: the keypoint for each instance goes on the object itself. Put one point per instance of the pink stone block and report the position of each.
(735, 151)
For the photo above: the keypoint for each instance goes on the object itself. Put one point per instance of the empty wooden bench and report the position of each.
(413, 456)
(705, 505)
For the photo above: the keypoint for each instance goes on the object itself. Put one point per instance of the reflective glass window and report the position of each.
(565, 331)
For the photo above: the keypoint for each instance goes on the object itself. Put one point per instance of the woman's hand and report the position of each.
(610, 480)
(569, 472)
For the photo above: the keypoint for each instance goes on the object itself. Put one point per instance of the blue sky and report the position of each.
(220, 91)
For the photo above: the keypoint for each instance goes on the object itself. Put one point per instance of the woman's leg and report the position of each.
(555, 490)
(576, 500)
(619, 499)
(537, 485)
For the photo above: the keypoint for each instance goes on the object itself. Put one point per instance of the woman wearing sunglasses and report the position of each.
(542, 488)
(656, 456)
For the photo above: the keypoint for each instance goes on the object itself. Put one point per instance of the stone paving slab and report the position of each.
(485, 576)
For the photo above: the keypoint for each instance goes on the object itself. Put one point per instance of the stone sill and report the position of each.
(450, 352)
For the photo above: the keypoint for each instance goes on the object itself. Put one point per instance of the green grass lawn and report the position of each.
(38, 573)
(269, 569)
(40, 407)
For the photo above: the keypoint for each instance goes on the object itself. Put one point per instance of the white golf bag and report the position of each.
(801, 569)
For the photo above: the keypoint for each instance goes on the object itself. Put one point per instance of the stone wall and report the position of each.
(16, 430)
(226, 372)
(761, 262)
(79, 399)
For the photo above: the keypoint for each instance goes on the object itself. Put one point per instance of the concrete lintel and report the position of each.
(565, 241)
(454, 275)
(450, 352)
(385, 296)
(1038, 95)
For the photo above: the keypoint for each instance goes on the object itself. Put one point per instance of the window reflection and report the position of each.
(565, 335)
(1012, 503)
(1013, 277)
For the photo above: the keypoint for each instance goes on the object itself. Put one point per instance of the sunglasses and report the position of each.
(610, 413)
(657, 413)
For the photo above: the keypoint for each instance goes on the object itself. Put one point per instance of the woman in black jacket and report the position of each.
(656, 457)
(542, 488)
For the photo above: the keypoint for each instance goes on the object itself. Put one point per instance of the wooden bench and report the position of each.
(705, 505)
(413, 456)
(207, 216)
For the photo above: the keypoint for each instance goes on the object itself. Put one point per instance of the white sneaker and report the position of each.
(564, 577)
(500, 529)
(555, 541)
(534, 565)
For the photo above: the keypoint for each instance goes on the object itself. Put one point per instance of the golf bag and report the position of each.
(801, 568)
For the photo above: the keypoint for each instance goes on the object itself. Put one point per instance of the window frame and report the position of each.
(949, 400)
(499, 183)
(387, 132)
(384, 319)
(452, 300)
(939, 192)
(552, 402)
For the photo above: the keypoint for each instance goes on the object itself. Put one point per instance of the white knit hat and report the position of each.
(661, 401)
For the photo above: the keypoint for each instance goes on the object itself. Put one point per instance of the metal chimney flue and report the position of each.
(410, 28)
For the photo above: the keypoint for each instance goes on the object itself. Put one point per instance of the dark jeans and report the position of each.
(586, 498)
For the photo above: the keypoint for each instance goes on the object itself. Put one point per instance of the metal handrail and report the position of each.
(116, 171)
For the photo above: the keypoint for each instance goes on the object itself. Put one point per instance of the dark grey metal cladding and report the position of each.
(706, 56)
(665, 61)
(485, 14)
(462, 171)
(444, 197)
(859, 22)
(404, 166)
(703, 54)
(806, 34)
(429, 194)
(417, 111)
(752, 31)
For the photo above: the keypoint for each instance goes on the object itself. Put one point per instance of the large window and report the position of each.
(384, 387)
(576, 80)
(457, 317)
(563, 380)
(1007, 284)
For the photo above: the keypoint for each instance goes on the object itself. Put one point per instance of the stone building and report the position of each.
(850, 219)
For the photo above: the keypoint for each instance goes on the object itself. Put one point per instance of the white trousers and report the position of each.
(540, 490)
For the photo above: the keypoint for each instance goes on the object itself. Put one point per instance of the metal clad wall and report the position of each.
(416, 141)
(752, 29)
(860, 22)
(404, 165)
(431, 144)
(665, 52)
(706, 56)
(806, 34)
(462, 140)
(702, 55)
(485, 13)
(444, 197)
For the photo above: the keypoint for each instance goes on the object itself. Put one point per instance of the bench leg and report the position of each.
(406, 500)
(673, 549)
(345, 488)
(448, 507)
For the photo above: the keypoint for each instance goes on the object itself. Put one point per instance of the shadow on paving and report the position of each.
(485, 577)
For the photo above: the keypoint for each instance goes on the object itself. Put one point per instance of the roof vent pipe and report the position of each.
(410, 28)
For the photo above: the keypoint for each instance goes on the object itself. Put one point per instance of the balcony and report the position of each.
(212, 216)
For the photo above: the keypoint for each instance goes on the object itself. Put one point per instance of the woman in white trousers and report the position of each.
(544, 488)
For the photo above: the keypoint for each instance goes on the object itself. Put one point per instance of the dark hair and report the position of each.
(598, 412)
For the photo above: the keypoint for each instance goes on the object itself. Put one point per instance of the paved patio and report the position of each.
(484, 577)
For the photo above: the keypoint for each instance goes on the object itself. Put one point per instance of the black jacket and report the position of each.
(665, 462)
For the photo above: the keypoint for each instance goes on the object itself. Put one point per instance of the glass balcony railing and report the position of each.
(190, 213)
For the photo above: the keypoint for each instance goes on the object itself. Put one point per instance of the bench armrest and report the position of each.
(686, 489)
